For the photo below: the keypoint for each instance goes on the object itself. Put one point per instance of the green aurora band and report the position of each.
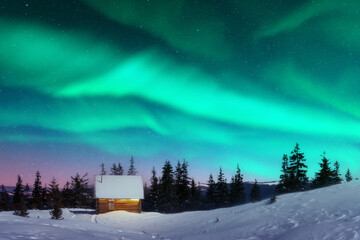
(197, 88)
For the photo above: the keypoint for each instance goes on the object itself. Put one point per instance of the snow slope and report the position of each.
(327, 213)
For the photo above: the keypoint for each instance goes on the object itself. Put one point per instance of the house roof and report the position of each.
(115, 187)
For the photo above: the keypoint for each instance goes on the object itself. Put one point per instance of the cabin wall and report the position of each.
(130, 205)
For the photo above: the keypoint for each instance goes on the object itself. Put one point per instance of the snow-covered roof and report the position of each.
(115, 187)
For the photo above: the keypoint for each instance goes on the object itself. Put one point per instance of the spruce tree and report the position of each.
(194, 196)
(154, 191)
(113, 170)
(255, 193)
(5, 199)
(211, 193)
(102, 171)
(284, 183)
(178, 203)
(326, 175)
(18, 194)
(117, 170)
(336, 175)
(44, 198)
(237, 192)
(222, 194)
(120, 170)
(185, 180)
(348, 176)
(55, 199)
(167, 193)
(36, 193)
(132, 170)
(182, 185)
(19, 199)
(79, 187)
(67, 195)
(27, 196)
(297, 170)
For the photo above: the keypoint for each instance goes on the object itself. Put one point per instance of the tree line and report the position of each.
(294, 173)
(174, 190)
(74, 194)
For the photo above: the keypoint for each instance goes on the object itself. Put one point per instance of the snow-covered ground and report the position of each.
(327, 213)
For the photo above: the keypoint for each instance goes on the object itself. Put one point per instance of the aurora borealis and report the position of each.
(214, 82)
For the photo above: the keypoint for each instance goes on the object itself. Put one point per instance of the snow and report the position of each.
(115, 187)
(327, 213)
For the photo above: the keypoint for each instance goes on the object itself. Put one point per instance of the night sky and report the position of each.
(214, 82)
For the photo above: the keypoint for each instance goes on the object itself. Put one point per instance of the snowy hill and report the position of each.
(327, 213)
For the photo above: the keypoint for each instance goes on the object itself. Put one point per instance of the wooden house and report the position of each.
(114, 193)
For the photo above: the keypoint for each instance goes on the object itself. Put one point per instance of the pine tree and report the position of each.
(55, 199)
(154, 191)
(132, 170)
(336, 178)
(167, 194)
(185, 181)
(237, 192)
(222, 194)
(27, 195)
(18, 199)
(44, 198)
(113, 170)
(284, 183)
(297, 170)
(5, 199)
(120, 170)
(194, 196)
(36, 193)
(255, 193)
(79, 187)
(18, 194)
(181, 186)
(211, 193)
(117, 170)
(67, 195)
(348, 176)
(102, 171)
(178, 188)
(326, 175)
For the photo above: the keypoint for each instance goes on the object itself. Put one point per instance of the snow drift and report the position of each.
(326, 213)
